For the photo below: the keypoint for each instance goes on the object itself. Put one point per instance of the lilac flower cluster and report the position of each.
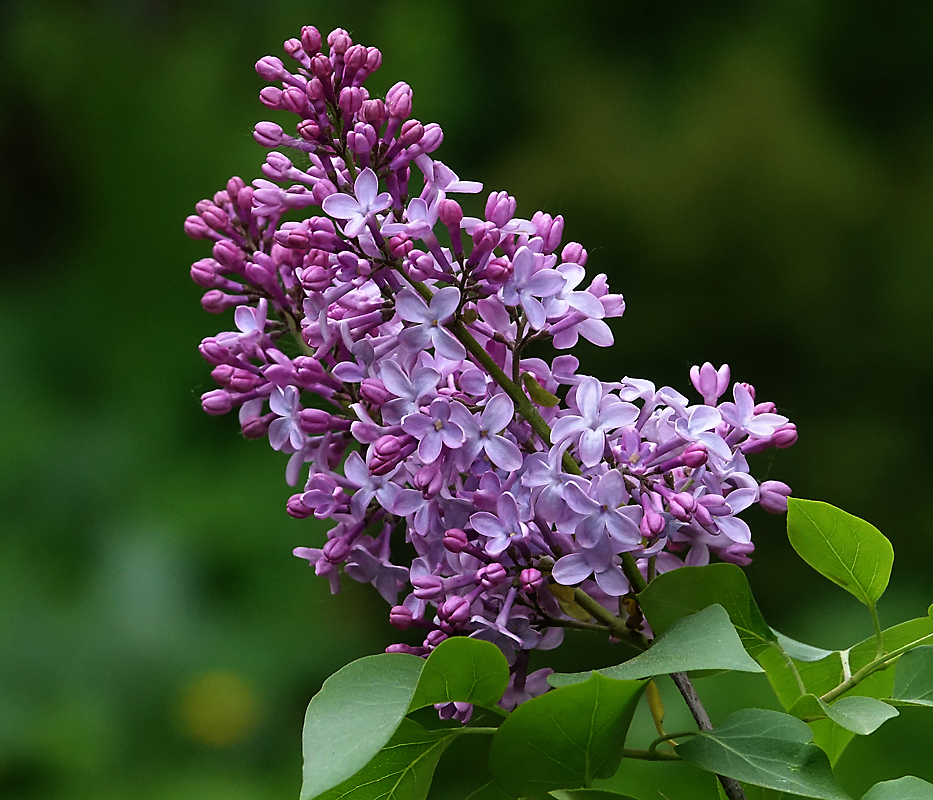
(380, 342)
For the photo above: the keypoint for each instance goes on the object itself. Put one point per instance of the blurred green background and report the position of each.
(756, 178)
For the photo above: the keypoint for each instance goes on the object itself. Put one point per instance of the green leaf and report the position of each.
(849, 551)
(354, 716)
(913, 677)
(861, 715)
(705, 640)
(463, 670)
(681, 592)
(402, 770)
(800, 651)
(906, 788)
(490, 791)
(565, 738)
(537, 392)
(765, 748)
(589, 794)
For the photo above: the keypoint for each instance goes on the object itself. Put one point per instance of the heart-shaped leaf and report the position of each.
(765, 748)
(849, 551)
(705, 640)
(564, 738)
(402, 770)
(463, 670)
(354, 716)
(906, 788)
(913, 677)
(681, 592)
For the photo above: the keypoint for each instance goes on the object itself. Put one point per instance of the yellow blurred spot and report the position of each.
(218, 709)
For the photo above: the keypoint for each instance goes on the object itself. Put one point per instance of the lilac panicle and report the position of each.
(378, 340)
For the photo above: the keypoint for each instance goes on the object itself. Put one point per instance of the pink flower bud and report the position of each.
(294, 49)
(271, 97)
(454, 610)
(216, 402)
(573, 253)
(432, 138)
(374, 392)
(773, 497)
(296, 508)
(411, 132)
(257, 427)
(270, 68)
(310, 40)
(450, 212)
(398, 100)
(336, 550)
(400, 245)
(321, 67)
(531, 579)
(339, 41)
(785, 436)
(456, 541)
(428, 587)
(401, 618)
(492, 575)
(268, 134)
(373, 112)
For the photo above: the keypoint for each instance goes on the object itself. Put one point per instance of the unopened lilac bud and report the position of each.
(310, 40)
(785, 436)
(294, 49)
(271, 97)
(355, 58)
(652, 524)
(454, 610)
(294, 100)
(339, 41)
(228, 254)
(216, 402)
(450, 212)
(350, 100)
(321, 67)
(749, 387)
(492, 575)
(686, 500)
(531, 579)
(296, 508)
(702, 516)
(316, 421)
(497, 270)
(434, 638)
(213, 215)
(362, 138)
(204, 272)
(336, 550)
(270, 68)
(710, 382)
(765, 408)
(549, 229)
(428, 587)
(400, 245)
(401, 618)
(573, 253)
(455, 540)
(773, 496)
(216, 301)
(429, 479)
(373, 391)
(738, 554)
(695, 456)
(432, 139)
(407, 649)
(716, 504)
(222, 374)
(373, 112)
(197, 228)
(242, 380)
(500, 208)
(678, 511)
(268, 134)
(398, 100)
(373, 59)
(321, 191)
(411, 132)
(257, 427)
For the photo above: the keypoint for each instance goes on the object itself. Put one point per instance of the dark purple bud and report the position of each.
(398, 100)
(268, 134)
(411, 132)
(216, 402)
(400, 245)
(355, 58)
(296, 508)
(374, 392)
(434, 638)
(450, 212)
(271, 97)
(310, 40)
(492, 575)
(336, 550)
(454, 610)
(401, 618)
(785, 436)
(270, 68)
(773, 497)
(257, 427)
(456, 541)
(339, 41)
(573, 253)
(373, 112)
(222, 374)
(429, 479)
(531, 579)
(695, 456)
(242, 380)
(314, 90)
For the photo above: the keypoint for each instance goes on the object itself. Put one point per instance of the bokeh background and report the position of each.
(756, 178)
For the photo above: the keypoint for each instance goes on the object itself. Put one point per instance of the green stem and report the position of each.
(872, 666)
(667, 737)
(616, 626)
(487, 731)
(879, 649)
(644, 755)
(789, 663)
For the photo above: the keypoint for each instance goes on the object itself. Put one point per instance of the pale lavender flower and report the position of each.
(358, 209)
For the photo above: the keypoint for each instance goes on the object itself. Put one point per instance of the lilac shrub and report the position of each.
(382, 342)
